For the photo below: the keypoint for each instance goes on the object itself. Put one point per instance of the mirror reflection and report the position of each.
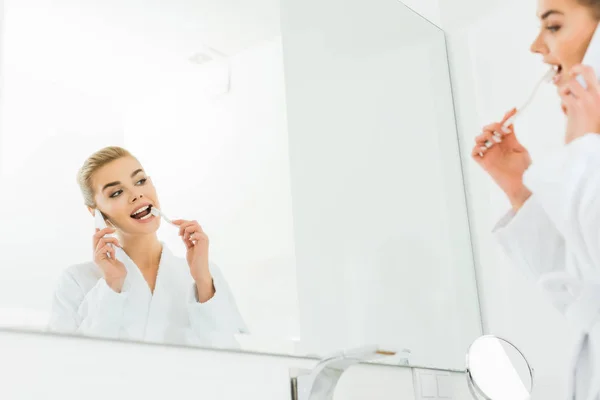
(256, 176)
(119, 294)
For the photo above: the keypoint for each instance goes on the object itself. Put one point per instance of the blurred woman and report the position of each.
(553, 230)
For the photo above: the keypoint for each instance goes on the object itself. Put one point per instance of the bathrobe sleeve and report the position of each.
(99, 312)
(215, 322)
(531, 241)
(560, 226)
(567, 187)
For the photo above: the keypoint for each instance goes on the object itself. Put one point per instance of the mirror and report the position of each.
(317, 149)
(497, 370)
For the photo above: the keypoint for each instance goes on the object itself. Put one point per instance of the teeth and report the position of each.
(146, 217)
(140, 210)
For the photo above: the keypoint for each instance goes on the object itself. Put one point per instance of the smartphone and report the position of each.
(100, 223)
(99, 219)
(592, 56)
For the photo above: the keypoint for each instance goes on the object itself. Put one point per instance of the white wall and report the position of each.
(75, 368)
(492, 72)
(382, 243)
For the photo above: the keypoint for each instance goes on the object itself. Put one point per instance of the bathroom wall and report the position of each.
(493, 71)
(69, 368)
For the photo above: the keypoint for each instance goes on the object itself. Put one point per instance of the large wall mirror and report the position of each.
(312, 142)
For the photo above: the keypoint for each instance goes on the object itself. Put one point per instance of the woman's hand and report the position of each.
(196, 242)
(113, 270)
(500, 154)
(582, 105)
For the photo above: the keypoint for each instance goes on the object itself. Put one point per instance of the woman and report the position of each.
(553, 230)
(136, 289)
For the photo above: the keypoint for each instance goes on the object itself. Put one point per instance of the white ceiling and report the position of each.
(175, 25)
(120, 48)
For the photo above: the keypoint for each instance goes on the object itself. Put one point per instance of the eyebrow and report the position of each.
(116, 183)
(549, 13)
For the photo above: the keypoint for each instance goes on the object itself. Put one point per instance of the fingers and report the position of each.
(100, 233)
(104, 250)
(488, 136)
(108, 240)
(478, 152)
(509, 114)
(574, 88)
(588, 75)
(499, 128)
(184, 225)
(492, 127)
(486, 141)
(568, 101)
(493, 134)
(195, 230)
(190, 232)
(106, 245)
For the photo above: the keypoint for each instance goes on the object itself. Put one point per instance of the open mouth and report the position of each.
(142, 213)
(558, 70)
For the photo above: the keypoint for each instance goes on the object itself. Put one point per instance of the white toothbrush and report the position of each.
(157, 213)
(545, 79)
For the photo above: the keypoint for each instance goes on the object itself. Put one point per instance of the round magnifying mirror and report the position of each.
(497, 370)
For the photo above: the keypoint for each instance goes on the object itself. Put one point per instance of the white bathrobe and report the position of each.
(85, 304)
(555, 237)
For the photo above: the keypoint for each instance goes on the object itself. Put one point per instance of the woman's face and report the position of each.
(121, 190)
(565, 33)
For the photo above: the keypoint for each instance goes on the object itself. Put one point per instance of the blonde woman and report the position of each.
(142, 291)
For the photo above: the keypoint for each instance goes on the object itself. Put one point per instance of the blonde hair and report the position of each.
(93, 164)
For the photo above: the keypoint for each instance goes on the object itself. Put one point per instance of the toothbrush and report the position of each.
(157, 213)
(545, 79)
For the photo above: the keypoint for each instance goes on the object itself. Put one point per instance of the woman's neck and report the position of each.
(144, 251)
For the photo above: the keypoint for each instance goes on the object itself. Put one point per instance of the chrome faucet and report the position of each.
(320, 383)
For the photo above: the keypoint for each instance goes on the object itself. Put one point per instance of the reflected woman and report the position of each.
(553, 230)
(135, 288)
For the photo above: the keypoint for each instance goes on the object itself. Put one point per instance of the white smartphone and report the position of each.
(100, 223)
(592, 56)
(99, 219)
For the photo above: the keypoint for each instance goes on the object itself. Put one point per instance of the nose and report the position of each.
(538, 46)
(136, 198)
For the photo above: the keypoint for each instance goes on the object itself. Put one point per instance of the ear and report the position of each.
(91, 210)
